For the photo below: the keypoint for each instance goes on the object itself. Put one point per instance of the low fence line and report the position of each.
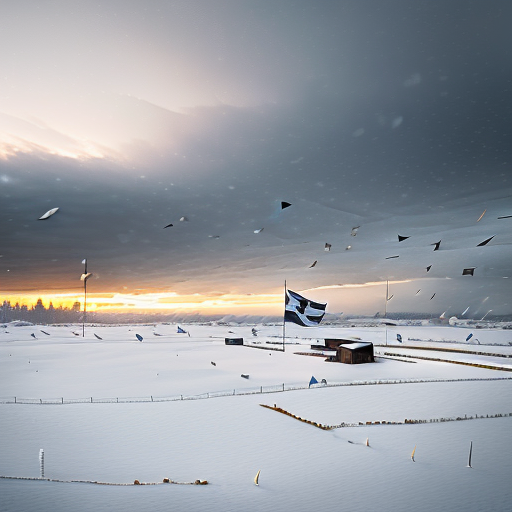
(452, 361)
(277, 388)
(309, 422)
(370, 423)
(415, 422)
(456, 350)
(135, 482)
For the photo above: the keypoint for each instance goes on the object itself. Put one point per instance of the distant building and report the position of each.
(348, 351)
(440, 321)
(234, 341)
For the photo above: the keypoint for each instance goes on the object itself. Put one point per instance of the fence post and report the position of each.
(151, 397)
(91, 399)
(14, 399)
(41, 462)
(62, 399)
(283, 386)
(261, 389)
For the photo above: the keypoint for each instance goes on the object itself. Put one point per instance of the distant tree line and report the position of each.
(39, 314)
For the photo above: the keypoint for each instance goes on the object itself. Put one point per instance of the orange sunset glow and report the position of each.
(266, 304)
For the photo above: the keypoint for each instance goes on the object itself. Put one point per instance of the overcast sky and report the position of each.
(127, 115)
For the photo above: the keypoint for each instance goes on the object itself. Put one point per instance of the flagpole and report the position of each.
(284, 314)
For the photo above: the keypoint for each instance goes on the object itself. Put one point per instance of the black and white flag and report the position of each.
(302, 311)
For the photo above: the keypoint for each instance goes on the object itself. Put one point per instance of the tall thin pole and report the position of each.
(386, 310)
(84, 278)
(85, 308)
(284, 314)
(85, 300)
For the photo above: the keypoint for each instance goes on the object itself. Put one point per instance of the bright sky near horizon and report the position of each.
(128, 116)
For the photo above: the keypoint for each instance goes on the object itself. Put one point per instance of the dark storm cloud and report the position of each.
(393, 117)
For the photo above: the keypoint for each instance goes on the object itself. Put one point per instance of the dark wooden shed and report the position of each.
(234, 341)
(355, 353)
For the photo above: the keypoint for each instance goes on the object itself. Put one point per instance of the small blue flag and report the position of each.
(399, 338)
(139, 337)
(469, 337)
(313, 381)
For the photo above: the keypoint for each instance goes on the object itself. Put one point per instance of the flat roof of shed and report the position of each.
(355, 346)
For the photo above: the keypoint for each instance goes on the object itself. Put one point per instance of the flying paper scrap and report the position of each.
(48, 214)
(485, 242)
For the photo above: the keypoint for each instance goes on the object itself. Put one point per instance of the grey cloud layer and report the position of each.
(394, 118)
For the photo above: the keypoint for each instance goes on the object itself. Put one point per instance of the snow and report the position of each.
(227, 439)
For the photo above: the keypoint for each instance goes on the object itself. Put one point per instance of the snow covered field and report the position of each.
(227, 439)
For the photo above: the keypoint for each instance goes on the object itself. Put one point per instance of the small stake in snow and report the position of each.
(412, 454)
(257, 477)
(367, 441)
(470, 451)
(41, 462)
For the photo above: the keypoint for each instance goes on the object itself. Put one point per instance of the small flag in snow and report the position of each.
(313, 381)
